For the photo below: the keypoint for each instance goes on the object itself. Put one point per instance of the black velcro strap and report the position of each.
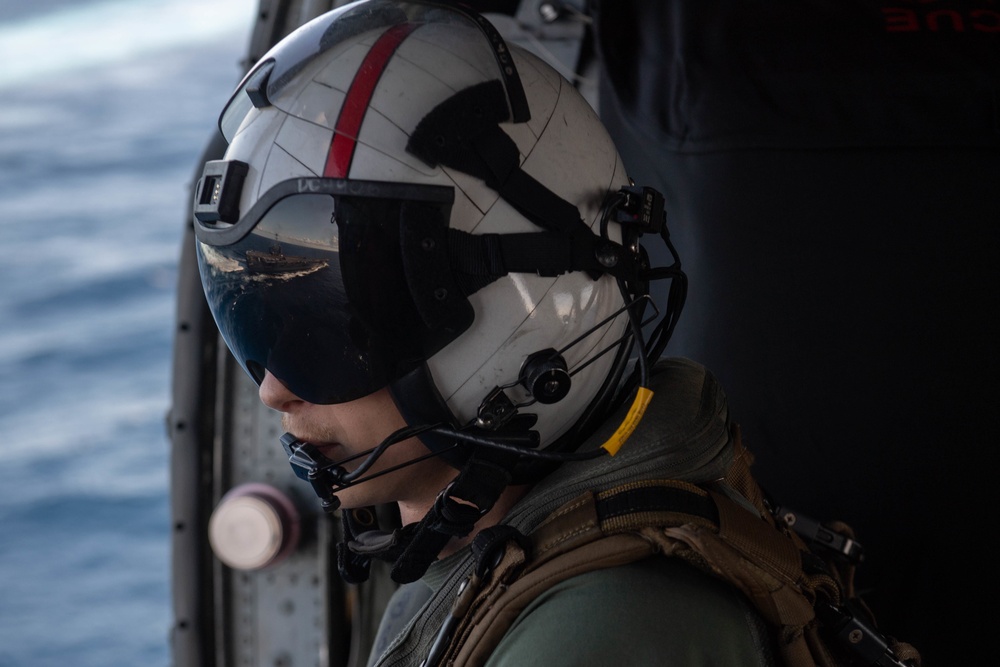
(479, 259)
(420, 551)
(423, 239)
(657, 499)
(536, 202)
(446, 134)
(476, 260)
(354, 568)
(463, 133)
(480, 482)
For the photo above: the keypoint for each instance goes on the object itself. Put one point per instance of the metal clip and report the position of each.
(858, 637)
(816, 534)
(467, 591)
(496, 410)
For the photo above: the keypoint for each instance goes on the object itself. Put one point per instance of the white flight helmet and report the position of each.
(407, 202)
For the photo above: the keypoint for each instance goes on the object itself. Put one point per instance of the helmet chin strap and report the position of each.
(455, 512)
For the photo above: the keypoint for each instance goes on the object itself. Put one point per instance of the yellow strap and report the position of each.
(642, 398)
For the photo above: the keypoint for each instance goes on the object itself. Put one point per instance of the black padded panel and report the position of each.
(832, 177)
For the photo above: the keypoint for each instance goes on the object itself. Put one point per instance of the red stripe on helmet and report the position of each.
(359, 96)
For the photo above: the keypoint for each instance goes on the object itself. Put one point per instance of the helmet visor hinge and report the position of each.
(495, 411)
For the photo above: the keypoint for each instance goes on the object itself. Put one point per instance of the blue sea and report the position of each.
(104, 110)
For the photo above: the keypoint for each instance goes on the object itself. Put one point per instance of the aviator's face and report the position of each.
(346, 429)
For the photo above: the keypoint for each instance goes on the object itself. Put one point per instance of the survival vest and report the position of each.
(805, 594)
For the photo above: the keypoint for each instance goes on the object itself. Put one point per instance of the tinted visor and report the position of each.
(337, 287)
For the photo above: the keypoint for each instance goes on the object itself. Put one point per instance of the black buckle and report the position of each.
(818, 535)
(310, 465)
(857, 636)
(452, 517)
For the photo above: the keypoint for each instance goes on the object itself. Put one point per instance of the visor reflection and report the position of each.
(319, 289)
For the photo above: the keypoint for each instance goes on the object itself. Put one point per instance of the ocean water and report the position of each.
(104, 109)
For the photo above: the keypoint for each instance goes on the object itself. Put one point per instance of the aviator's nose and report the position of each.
(276, 395)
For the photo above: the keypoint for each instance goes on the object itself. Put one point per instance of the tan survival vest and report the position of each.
(805, 596)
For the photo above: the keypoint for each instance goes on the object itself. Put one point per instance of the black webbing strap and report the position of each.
(659, 498)
(455, 512)
(355, 566)
(479, 259)
(505, 63)
(463, 133)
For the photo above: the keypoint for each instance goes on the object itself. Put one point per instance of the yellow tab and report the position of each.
(642, 398)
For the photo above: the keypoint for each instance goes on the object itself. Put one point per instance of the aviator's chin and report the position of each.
(330, 450)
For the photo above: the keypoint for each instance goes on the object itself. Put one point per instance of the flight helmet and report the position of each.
(409, 202)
